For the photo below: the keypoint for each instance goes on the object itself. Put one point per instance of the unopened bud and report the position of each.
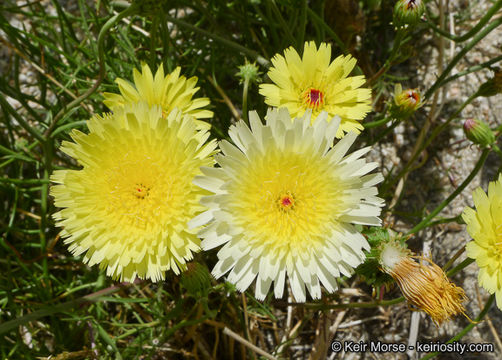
(479, 132)
(408, 12)
(491, 87)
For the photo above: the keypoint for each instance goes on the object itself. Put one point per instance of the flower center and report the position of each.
(413, 97)
(313, 98)
(411, 4)
(286, 201)
(141, 191)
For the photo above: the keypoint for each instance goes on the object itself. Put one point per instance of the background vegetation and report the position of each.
(57, 57)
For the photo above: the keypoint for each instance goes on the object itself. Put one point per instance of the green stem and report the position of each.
(454, 258)
(473, 31)
(472, 69)
(245, 100)
(400, 35)
(303, 23)
(261, 60)
(453, 195)
(101, 56)
(376, 123)
(461, 55)
(497, 150)
(437, 130)
(282, 22)
(457, 219)
(468, 328)
(460, 267)
(31, 129)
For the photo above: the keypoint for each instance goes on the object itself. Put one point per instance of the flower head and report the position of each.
(485, 226)
(313, 82)
(127, 208)
(168, 91)
(406, 102)
(424, 284)
(284, 203)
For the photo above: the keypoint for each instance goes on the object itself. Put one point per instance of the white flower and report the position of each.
(284, 203)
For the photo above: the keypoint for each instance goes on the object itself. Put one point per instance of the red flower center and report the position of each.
(313, 98)
(413, 96)
(286, 201)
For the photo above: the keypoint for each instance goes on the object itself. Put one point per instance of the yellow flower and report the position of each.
(485, 226)
(170, 91)
(406, 102)
(127, 208)
(424, 284)
(312, 82)
(284, 203)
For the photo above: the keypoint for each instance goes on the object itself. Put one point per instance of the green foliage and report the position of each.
(60, 59)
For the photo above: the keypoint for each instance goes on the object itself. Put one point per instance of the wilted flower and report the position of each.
(284, 203)
(479, 132)
(314, 83)
(128, 207)
(424, 284)
(169, 92)
(485, 226)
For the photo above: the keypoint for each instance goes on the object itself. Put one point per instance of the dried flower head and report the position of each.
(423, 284)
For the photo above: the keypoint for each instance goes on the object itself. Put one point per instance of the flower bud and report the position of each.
(423, 284)
(406, 102)
(249, 72)
(491, 87)
(479, 132)
(408, 12)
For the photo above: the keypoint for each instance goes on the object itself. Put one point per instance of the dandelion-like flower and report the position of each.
(283, 204)
(169, 91)
(313, 82)
(485, 226)
(424, 284)
(128, 207)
